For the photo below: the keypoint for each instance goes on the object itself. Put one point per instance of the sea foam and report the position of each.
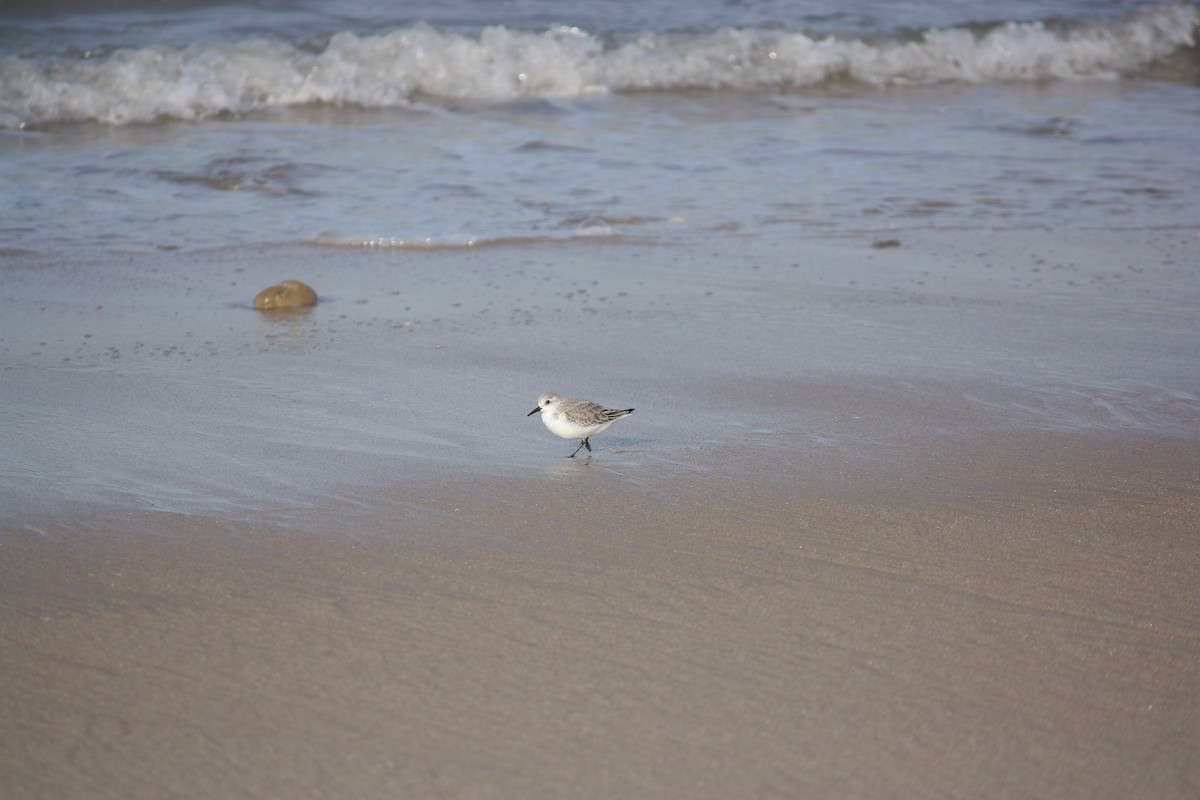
(201, 80)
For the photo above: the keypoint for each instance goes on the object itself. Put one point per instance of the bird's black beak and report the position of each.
(531, 413)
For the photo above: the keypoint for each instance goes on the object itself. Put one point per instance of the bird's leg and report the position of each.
(581, 444)
(588, 445)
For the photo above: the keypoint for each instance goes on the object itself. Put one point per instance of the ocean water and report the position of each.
(370, 124)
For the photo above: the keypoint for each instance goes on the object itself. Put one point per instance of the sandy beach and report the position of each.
(908, 521)
(906, 297)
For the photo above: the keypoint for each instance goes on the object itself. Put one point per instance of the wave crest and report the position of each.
(500, 65)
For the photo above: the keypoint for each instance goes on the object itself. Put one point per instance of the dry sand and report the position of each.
(961, 564)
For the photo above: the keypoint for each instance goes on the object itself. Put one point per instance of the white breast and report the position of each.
(559, 425)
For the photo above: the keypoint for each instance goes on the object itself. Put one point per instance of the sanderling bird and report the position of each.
(572, 418)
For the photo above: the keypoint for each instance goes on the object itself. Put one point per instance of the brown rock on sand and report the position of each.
(288, 294)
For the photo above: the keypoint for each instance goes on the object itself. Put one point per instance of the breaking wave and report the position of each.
(202, 80)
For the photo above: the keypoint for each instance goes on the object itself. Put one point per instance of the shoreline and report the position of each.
(153, 384)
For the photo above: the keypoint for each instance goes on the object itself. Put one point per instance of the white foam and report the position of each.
(500, 65)
(596, 230)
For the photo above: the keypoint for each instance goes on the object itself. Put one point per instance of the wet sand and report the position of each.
(881, 547)
(1018, 625)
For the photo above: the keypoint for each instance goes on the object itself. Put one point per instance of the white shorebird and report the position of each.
(572, 418)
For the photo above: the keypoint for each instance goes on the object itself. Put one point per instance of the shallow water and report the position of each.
(189, 129)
